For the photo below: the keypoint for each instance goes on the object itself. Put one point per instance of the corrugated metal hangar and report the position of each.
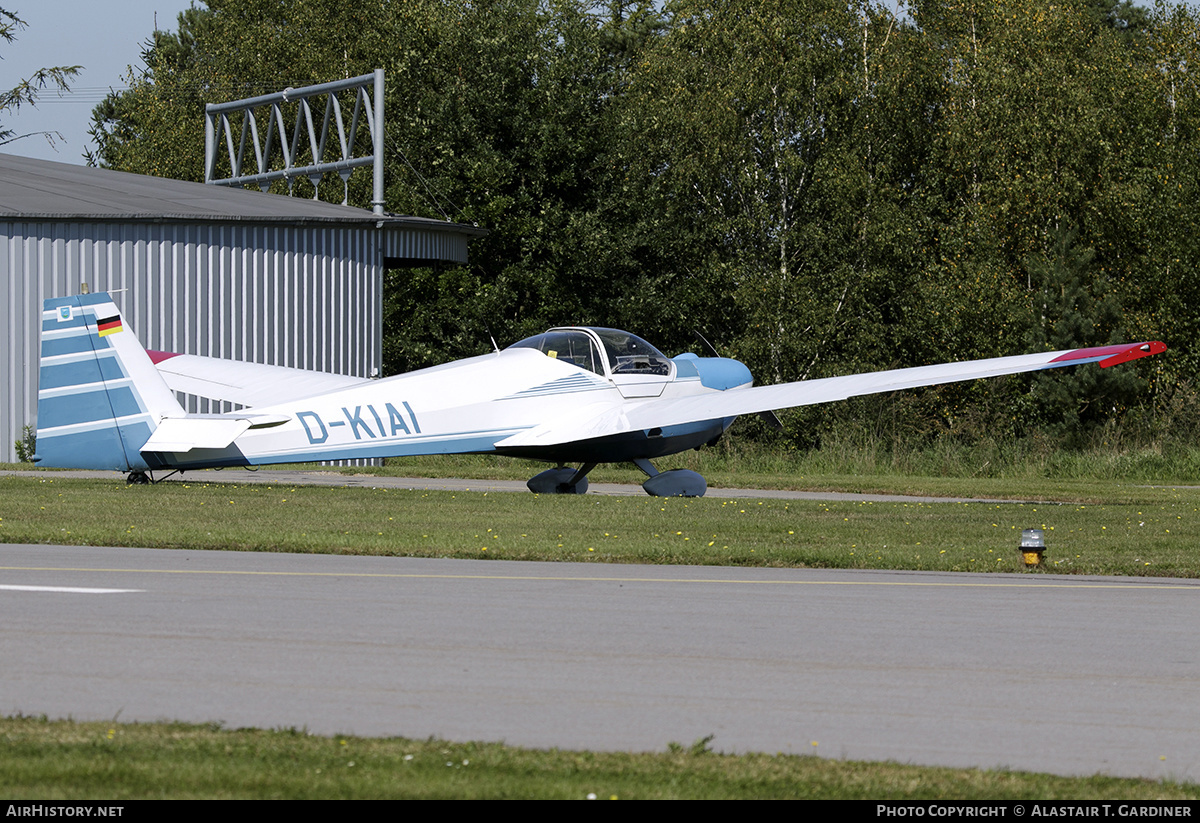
(199, 269)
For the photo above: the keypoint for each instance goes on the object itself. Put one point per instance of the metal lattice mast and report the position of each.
(331, 140)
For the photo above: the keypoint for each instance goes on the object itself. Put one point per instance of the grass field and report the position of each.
(66, 760)
(1141, 531)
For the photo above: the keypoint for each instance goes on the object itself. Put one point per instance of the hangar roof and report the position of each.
(44, 190)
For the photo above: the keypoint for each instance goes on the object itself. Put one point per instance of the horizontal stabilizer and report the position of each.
(183, 434)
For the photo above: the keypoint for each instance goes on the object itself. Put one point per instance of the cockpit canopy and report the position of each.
(590, 348)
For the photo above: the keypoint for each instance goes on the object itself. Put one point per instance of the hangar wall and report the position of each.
(199, 270)
(284, 295)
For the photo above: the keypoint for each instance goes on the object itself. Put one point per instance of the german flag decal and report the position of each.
(109, 325)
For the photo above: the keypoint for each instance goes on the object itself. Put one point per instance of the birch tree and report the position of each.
(759, 128)
(27, 91)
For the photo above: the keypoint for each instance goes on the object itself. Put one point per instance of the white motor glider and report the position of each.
(571, 395)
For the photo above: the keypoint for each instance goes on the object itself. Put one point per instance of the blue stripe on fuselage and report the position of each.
(204, 458)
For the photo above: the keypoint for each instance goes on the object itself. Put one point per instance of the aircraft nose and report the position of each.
(722, 373)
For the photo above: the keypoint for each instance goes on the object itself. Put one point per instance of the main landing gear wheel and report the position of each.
(672, 483)
(562, 480)
(137, 478)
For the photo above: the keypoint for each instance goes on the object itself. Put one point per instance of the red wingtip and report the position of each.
(1134, 351)
(1112, 355)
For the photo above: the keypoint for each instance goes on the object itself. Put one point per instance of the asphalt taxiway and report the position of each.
(1069, 675)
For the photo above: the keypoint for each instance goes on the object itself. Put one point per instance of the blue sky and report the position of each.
(104, 38)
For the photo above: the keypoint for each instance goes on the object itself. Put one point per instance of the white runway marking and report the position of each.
(66, 589)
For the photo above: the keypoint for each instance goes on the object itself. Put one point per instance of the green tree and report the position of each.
(1166, 289)
(1072, 307)
(509, 126)
(820, 187)
(777, 138)
(27, 91)
(1122, 16)
(1047, 123)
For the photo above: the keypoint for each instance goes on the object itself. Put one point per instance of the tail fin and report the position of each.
(99, 396)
